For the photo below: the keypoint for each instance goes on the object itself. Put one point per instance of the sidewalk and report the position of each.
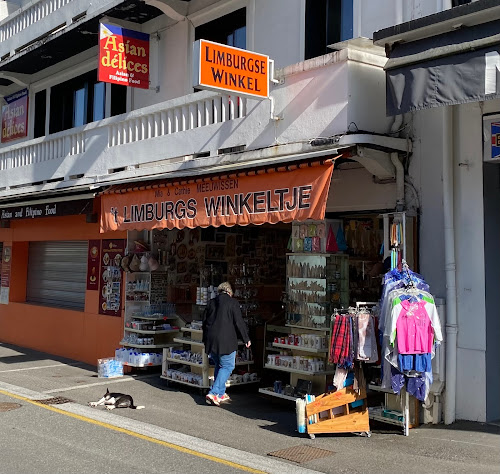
(250, 423)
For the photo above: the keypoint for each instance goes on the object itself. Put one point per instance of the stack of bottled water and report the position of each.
(107, 368)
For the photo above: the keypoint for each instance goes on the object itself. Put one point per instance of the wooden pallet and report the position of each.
(351, 420)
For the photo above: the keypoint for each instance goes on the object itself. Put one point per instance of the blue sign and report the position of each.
(495, 140)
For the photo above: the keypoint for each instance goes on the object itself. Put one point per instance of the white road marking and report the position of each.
(33, 368)
(95, 384)
(464, 442)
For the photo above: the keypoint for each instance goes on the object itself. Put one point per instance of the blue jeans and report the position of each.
(224, 365)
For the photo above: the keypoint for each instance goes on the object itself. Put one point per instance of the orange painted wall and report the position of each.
(81, 335)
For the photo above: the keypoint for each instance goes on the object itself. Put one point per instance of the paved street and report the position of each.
(178, 432)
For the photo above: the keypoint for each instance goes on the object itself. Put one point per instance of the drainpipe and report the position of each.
(400, 182)
(450, 267)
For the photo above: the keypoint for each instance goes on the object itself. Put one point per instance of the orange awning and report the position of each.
(266, 195)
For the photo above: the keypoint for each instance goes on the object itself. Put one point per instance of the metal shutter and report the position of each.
(57, 273)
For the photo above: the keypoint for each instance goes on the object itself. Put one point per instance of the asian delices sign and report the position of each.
(123, 56)
(15, 116)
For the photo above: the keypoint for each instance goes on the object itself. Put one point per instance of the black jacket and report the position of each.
(222, 323)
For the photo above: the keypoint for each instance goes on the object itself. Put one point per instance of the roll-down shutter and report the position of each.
(57, 274)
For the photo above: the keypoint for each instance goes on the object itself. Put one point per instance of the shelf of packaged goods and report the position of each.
(154, 318)
(230, 383)
(146, 346)
(141, 365)
(376, 414)
(244, 362)
(307, 278)
(300, 348)
(184, 383)
(272, 393)
(322, 290)
(195, 331)
(150, 331)
(184, 340)
(183, 362)
(298, 371)
(137, 301)
(274, 349)
(307, 327)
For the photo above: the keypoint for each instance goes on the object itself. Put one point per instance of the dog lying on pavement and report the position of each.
(116, 400)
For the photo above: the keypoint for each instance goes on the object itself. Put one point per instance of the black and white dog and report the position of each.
(116, 400)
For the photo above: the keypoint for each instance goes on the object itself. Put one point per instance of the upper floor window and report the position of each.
(228, 29)
(76, 102)
(326, 22)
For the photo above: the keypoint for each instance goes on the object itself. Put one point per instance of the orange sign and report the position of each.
(270, 197)
(220, 67)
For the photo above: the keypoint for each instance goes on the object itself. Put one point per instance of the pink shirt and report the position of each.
(414, 329)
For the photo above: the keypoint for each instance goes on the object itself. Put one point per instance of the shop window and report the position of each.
(57, 274)
(82, 100)
(228, 29)
(40, 106)
(457, 3)
(326, 22)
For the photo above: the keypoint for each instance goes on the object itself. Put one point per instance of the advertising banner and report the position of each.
(5, 275)
(123, 56)
(266, 196)
(93, 264)
(15, 116)
(219, 67)
(110, 296)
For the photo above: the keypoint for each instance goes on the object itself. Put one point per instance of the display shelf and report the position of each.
(184, 362)
(184, 340)
(272, 393)
(150, 364)
(376, 414)
(275, 328)
(147, 346)
(195, 331)
(300, 348)
(184, 383)
(150, 331)
(298, 371)
(245, 362)
(236, 384)
(155, 318)
(378, 388)
(307, 327)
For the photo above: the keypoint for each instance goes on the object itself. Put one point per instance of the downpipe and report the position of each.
(450, 268)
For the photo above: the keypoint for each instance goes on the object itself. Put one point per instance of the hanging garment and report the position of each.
(366, 341)
(416, 325)
(341, 346)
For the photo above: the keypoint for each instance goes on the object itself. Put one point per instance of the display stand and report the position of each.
(200, 371)
(150, 323)
(399, 419)
(333, 413)
(316, 283)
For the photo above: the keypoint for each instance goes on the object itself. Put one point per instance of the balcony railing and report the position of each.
(27, 16)
(79, 151)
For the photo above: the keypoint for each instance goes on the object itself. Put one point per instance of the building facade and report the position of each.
(452, 109)
(82, 136)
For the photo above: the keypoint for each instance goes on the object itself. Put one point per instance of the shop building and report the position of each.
(325, 103)
(443, 82)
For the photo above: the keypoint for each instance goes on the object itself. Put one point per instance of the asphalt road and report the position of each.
(177, 430)
(37, 440)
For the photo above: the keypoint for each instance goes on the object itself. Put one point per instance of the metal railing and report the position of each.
(27, 16)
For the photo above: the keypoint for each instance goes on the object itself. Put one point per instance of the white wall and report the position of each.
(279, 30)
(370, 16)
(426, 171)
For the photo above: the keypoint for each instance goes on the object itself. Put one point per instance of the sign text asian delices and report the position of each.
(123, 56)
(15, 116)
